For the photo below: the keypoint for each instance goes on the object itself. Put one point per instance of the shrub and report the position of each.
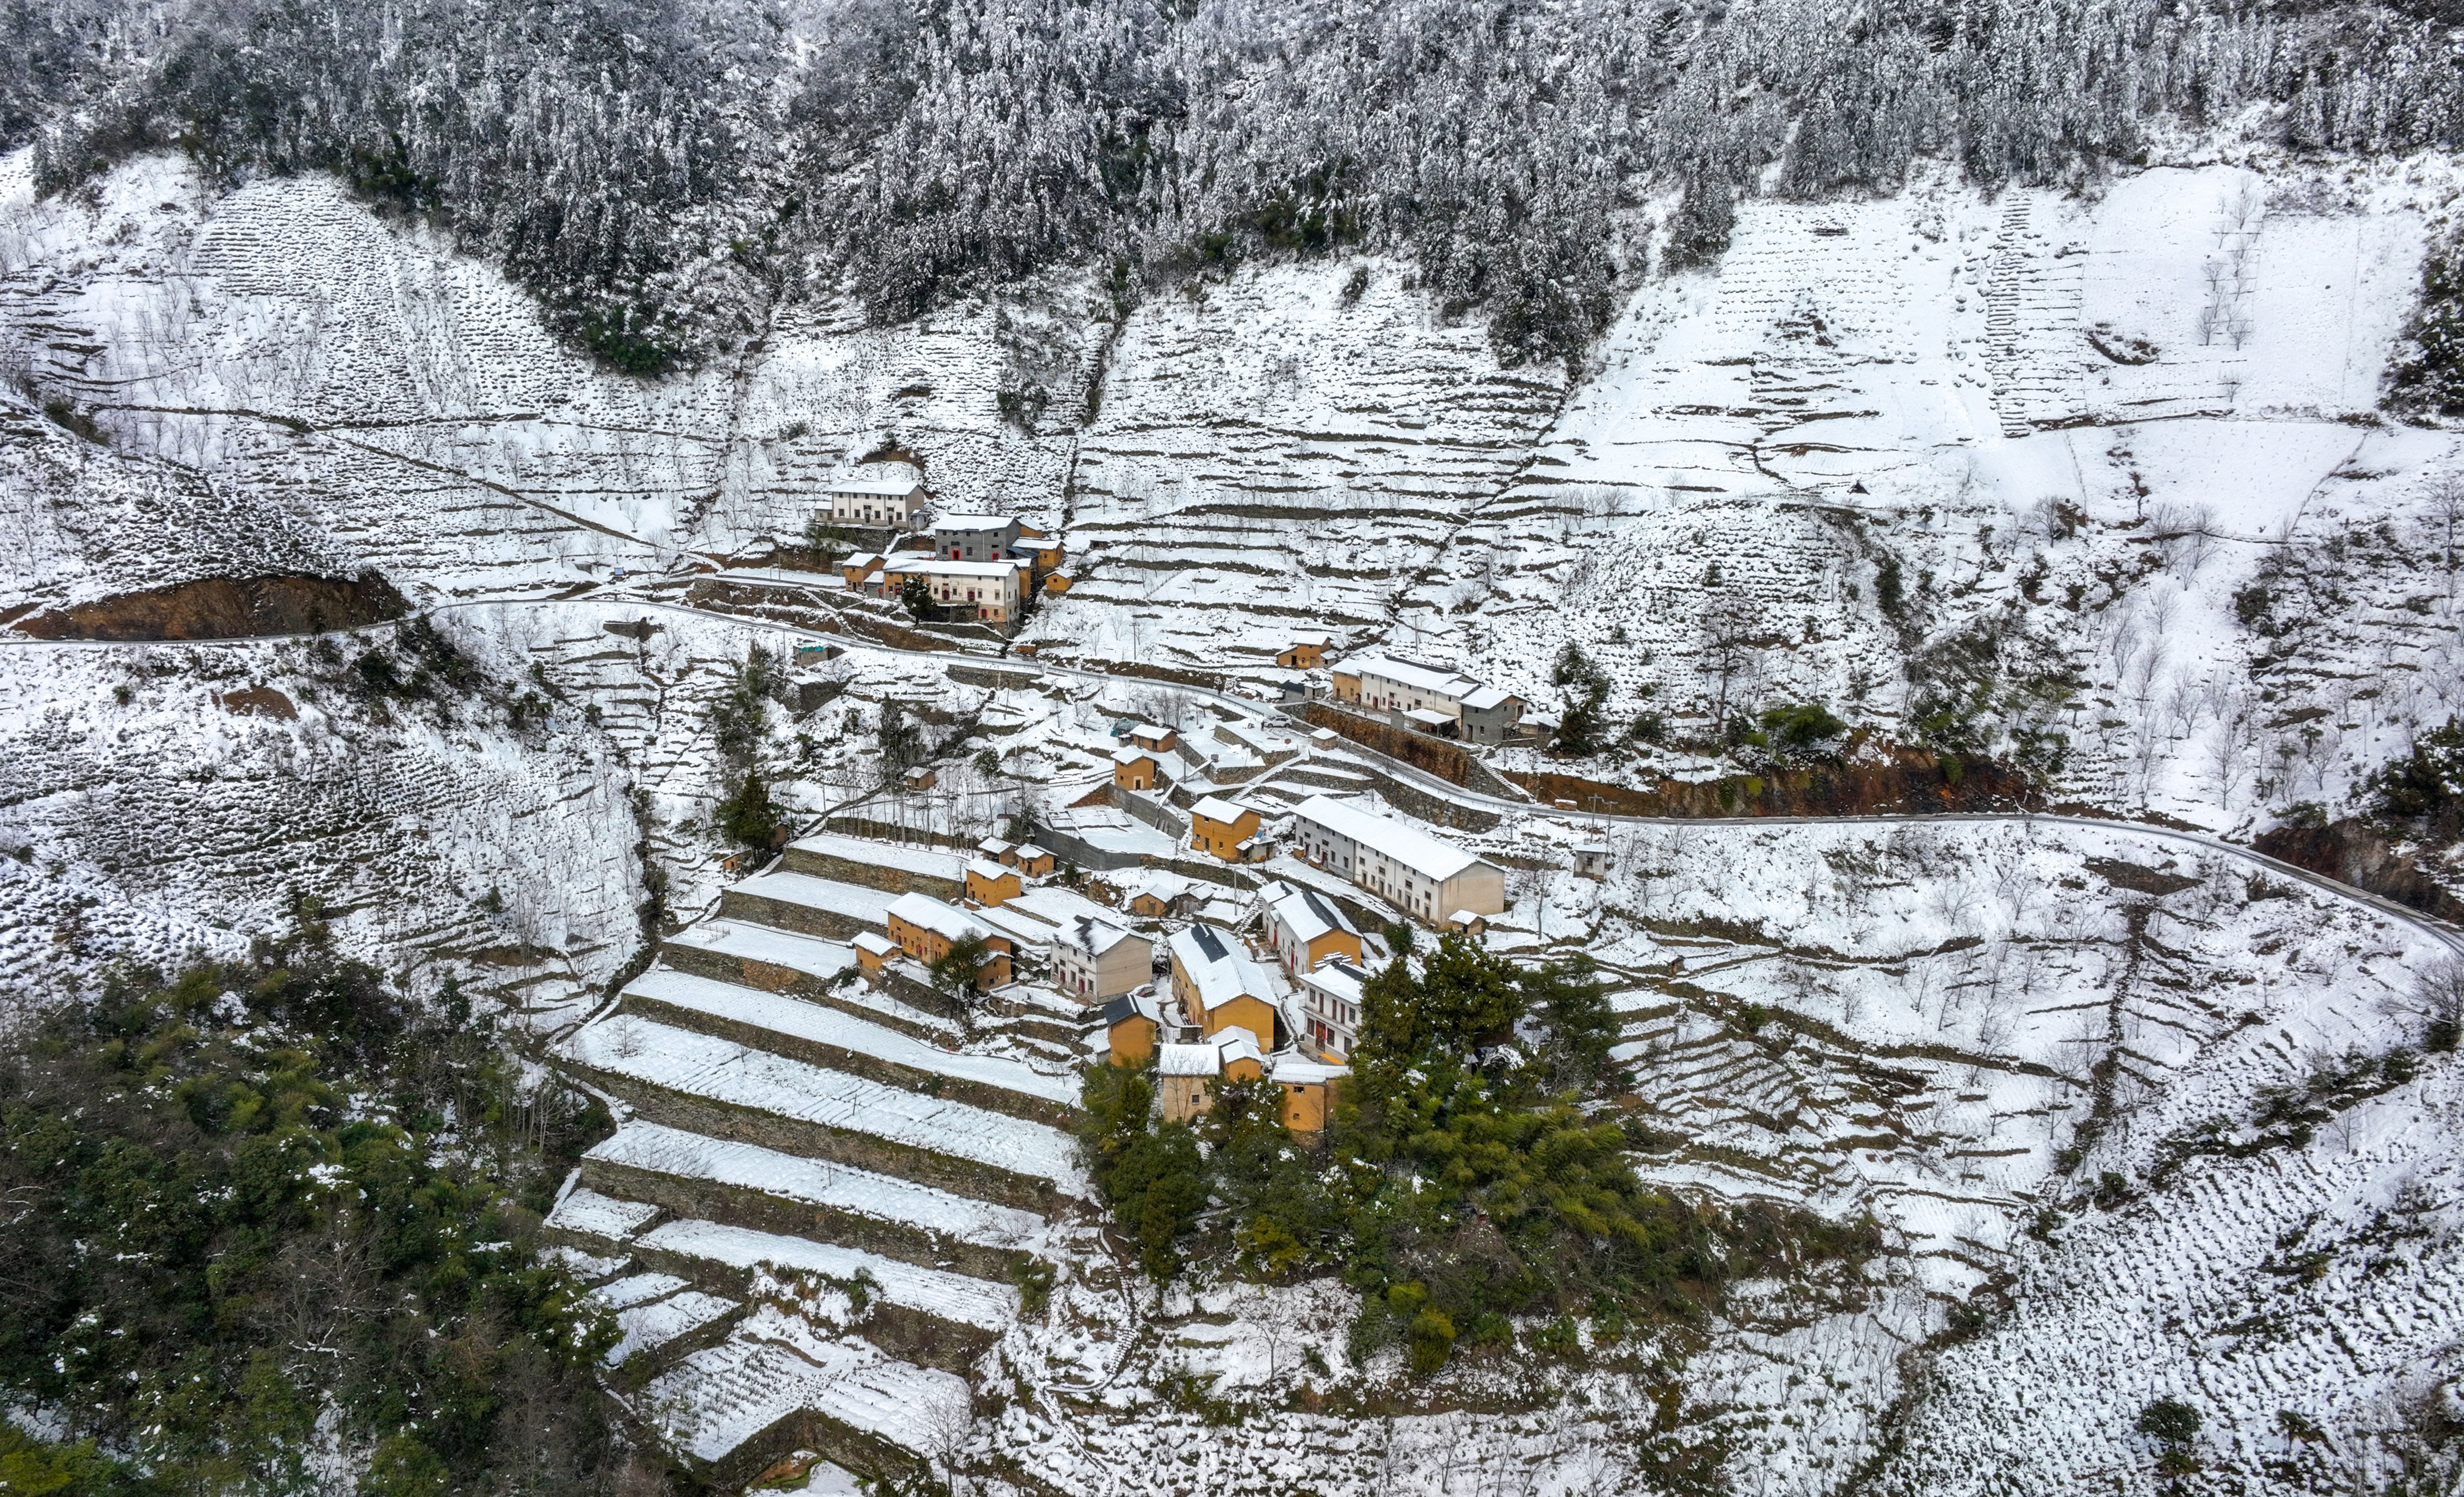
(2170, 1421)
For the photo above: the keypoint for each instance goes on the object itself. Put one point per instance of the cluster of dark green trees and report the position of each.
(652, 168)
(267, 1208)
(1469, 1174)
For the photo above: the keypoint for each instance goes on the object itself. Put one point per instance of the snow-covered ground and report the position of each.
(2119, 449)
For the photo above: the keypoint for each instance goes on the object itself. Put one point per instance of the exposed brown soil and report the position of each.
(226, 607)
(258, 701)
(1916, 785)
(2365, 857)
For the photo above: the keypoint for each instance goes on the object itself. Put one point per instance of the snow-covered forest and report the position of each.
(663, 172)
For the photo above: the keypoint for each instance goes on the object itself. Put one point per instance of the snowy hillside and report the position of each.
(2095, 482)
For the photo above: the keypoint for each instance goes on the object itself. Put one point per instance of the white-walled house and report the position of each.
(896, 502)
(1426, 878)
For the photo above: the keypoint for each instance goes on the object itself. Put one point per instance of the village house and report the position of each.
(873, 951)
(1045, 552)
(894, 502)
(1330, 1009)
(1187, 1075)
(1490, 716)
(1218, 987)
(1131, 1026)
(974, 537)
(1434, 700)
(1222, 828)
(1034, 862)
(1153, 894)
(1309, 1091)
(1430, 880)
(1305, 652)
(923, 777)
(926, 928)
(1304, 928)
(1135, 769)
(985, 591)
(1093, 960)
(1000, 851)
(989, 883)
(859, 570)
(1154, 740)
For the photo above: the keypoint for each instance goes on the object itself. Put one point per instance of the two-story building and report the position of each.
(1226, 830)
(1490, 716)
(1130, 1025)
(1428, 879)
(991, 883)
(1433, 700)
(1136, 769)
(1218, 987)
(892, 502)
(1330, 1004)
(1303, 651)
(1304, 928)
(975, 538)
(986, 591)
(926, 928)
(1093, 960)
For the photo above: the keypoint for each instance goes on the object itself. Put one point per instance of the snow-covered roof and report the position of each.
(1335, 978)
(894, 487)
(1215, 808)
(1293, 1071)
(1163, 886)
(875, 942)
(942, 566)
(1236, 1044)
(1130, 756)
(1218, 969)
(861, 559)
(1407, 845)
(1445, 683)
(944, 920)
(1300, 641)
(1092, 937)
(1146, 731)
(987, 868)
(1488, 698)
(1428, 717)
(1029, 852)
(942, 522)
(1020, 926)
(1464, 917)
(1188, 1060)
(994, 848)
(1303, 911)
(1129, 1006)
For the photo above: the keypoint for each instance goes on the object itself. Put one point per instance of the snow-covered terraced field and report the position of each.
(698, 1066)
(779, 1018)
(647, 1146)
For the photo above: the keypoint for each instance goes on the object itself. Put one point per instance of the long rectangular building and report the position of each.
(1430, 879)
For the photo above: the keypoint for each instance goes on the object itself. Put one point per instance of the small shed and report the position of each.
(1034, 862)
(1135, 769)
(1154, 740)
(923, 777)
(1592, 858)
(874, 950)
(1305, 652)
